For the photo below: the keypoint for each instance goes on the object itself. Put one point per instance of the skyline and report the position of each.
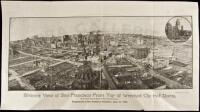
(22, 28)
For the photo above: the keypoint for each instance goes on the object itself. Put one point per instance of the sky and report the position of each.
(22, 28)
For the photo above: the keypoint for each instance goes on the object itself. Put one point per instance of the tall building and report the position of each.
(140, 50)
(176, 30)
(178, 24)
(169, 30)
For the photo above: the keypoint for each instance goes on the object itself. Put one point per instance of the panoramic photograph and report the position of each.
(100, 53)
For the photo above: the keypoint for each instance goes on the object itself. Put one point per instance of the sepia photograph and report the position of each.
(100, 53)
(178, 29)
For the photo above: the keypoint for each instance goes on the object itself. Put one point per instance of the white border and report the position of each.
(186, 99)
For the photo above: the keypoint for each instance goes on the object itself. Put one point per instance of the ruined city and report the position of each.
(96, 61)
(100, 60)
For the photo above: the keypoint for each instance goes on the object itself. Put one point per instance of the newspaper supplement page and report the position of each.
(100, 55)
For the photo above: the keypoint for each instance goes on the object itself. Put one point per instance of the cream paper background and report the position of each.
(186, 99)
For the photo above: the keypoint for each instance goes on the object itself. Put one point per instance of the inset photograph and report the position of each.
(178, 29)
